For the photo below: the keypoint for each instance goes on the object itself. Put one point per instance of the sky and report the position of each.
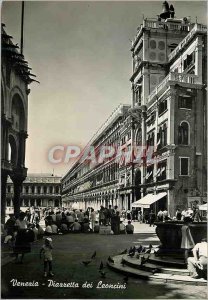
(80, 53)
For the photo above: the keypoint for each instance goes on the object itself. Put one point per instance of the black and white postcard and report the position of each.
(104, 149)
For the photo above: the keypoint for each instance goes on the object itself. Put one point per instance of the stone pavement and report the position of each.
(69, 252)
(6, 252)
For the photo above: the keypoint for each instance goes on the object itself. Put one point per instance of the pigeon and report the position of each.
(124, 252)
(86, 263)
(139, 249)
(155, 271)
(150, 246)
(148, 251)
(143, 261)
(110, 260)
(101, 266)
(130, 250)
(126, 279)
(93, 256)
(102, 273)
(143, 249)
(131, 254)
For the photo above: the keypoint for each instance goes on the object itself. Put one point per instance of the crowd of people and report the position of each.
(65, 220)
(33, 224)
(86, 221)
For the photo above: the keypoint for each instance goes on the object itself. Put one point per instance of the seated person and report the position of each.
(69, 220)
(96, 227)
(122, 228)
(48, 230)
(76, 227)
(64, 228)
(54, 228)
(86, 226)
(40, 231)
(198, 263)
(34, 229)
(129, 228)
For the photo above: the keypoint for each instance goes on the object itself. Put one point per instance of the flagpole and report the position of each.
(22, 27)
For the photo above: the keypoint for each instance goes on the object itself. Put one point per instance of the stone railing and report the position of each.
(178, 77)
(196, 28)
(151, 23)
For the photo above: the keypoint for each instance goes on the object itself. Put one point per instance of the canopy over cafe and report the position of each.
(153, 202)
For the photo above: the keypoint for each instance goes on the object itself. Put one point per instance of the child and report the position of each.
(47, 254)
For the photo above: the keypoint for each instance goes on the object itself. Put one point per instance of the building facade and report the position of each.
(92, 183)
(38, 190)
(166, 125)
(169, 98)
(15, 79)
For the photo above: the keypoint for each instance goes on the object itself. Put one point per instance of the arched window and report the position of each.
(33, 189)
(45, 189)
(183, 134)
(39, 189)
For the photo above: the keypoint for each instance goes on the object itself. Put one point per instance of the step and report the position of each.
(134, 262)
(167, 261)
(159, 277)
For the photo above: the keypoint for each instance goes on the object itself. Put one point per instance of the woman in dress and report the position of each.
(187, 241)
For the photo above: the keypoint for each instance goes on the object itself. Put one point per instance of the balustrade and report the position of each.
(196, 28)
(179, 77)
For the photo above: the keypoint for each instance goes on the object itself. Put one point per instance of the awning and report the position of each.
(139, 202)
(203, 207)
(149, 199)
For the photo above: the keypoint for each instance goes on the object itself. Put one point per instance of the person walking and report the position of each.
(178, 214)
(187, 241)
(47, 255)
(151, 218)
(160, 216)
(93, 218)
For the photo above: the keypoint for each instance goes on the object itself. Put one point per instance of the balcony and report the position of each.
(155, 24)
(175, 77)
(197, 28)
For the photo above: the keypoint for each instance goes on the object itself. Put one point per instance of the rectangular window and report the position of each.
(184, 166)
(185, 102)
(162, 107)
(189, 61)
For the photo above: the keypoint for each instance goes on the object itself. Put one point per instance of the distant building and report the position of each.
(38, 190)
(15, 78)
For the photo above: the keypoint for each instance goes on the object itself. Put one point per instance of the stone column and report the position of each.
(29, 190)
(22, 141)
(36, 189)
(41, 189)
(3, 195)
(17, 182)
